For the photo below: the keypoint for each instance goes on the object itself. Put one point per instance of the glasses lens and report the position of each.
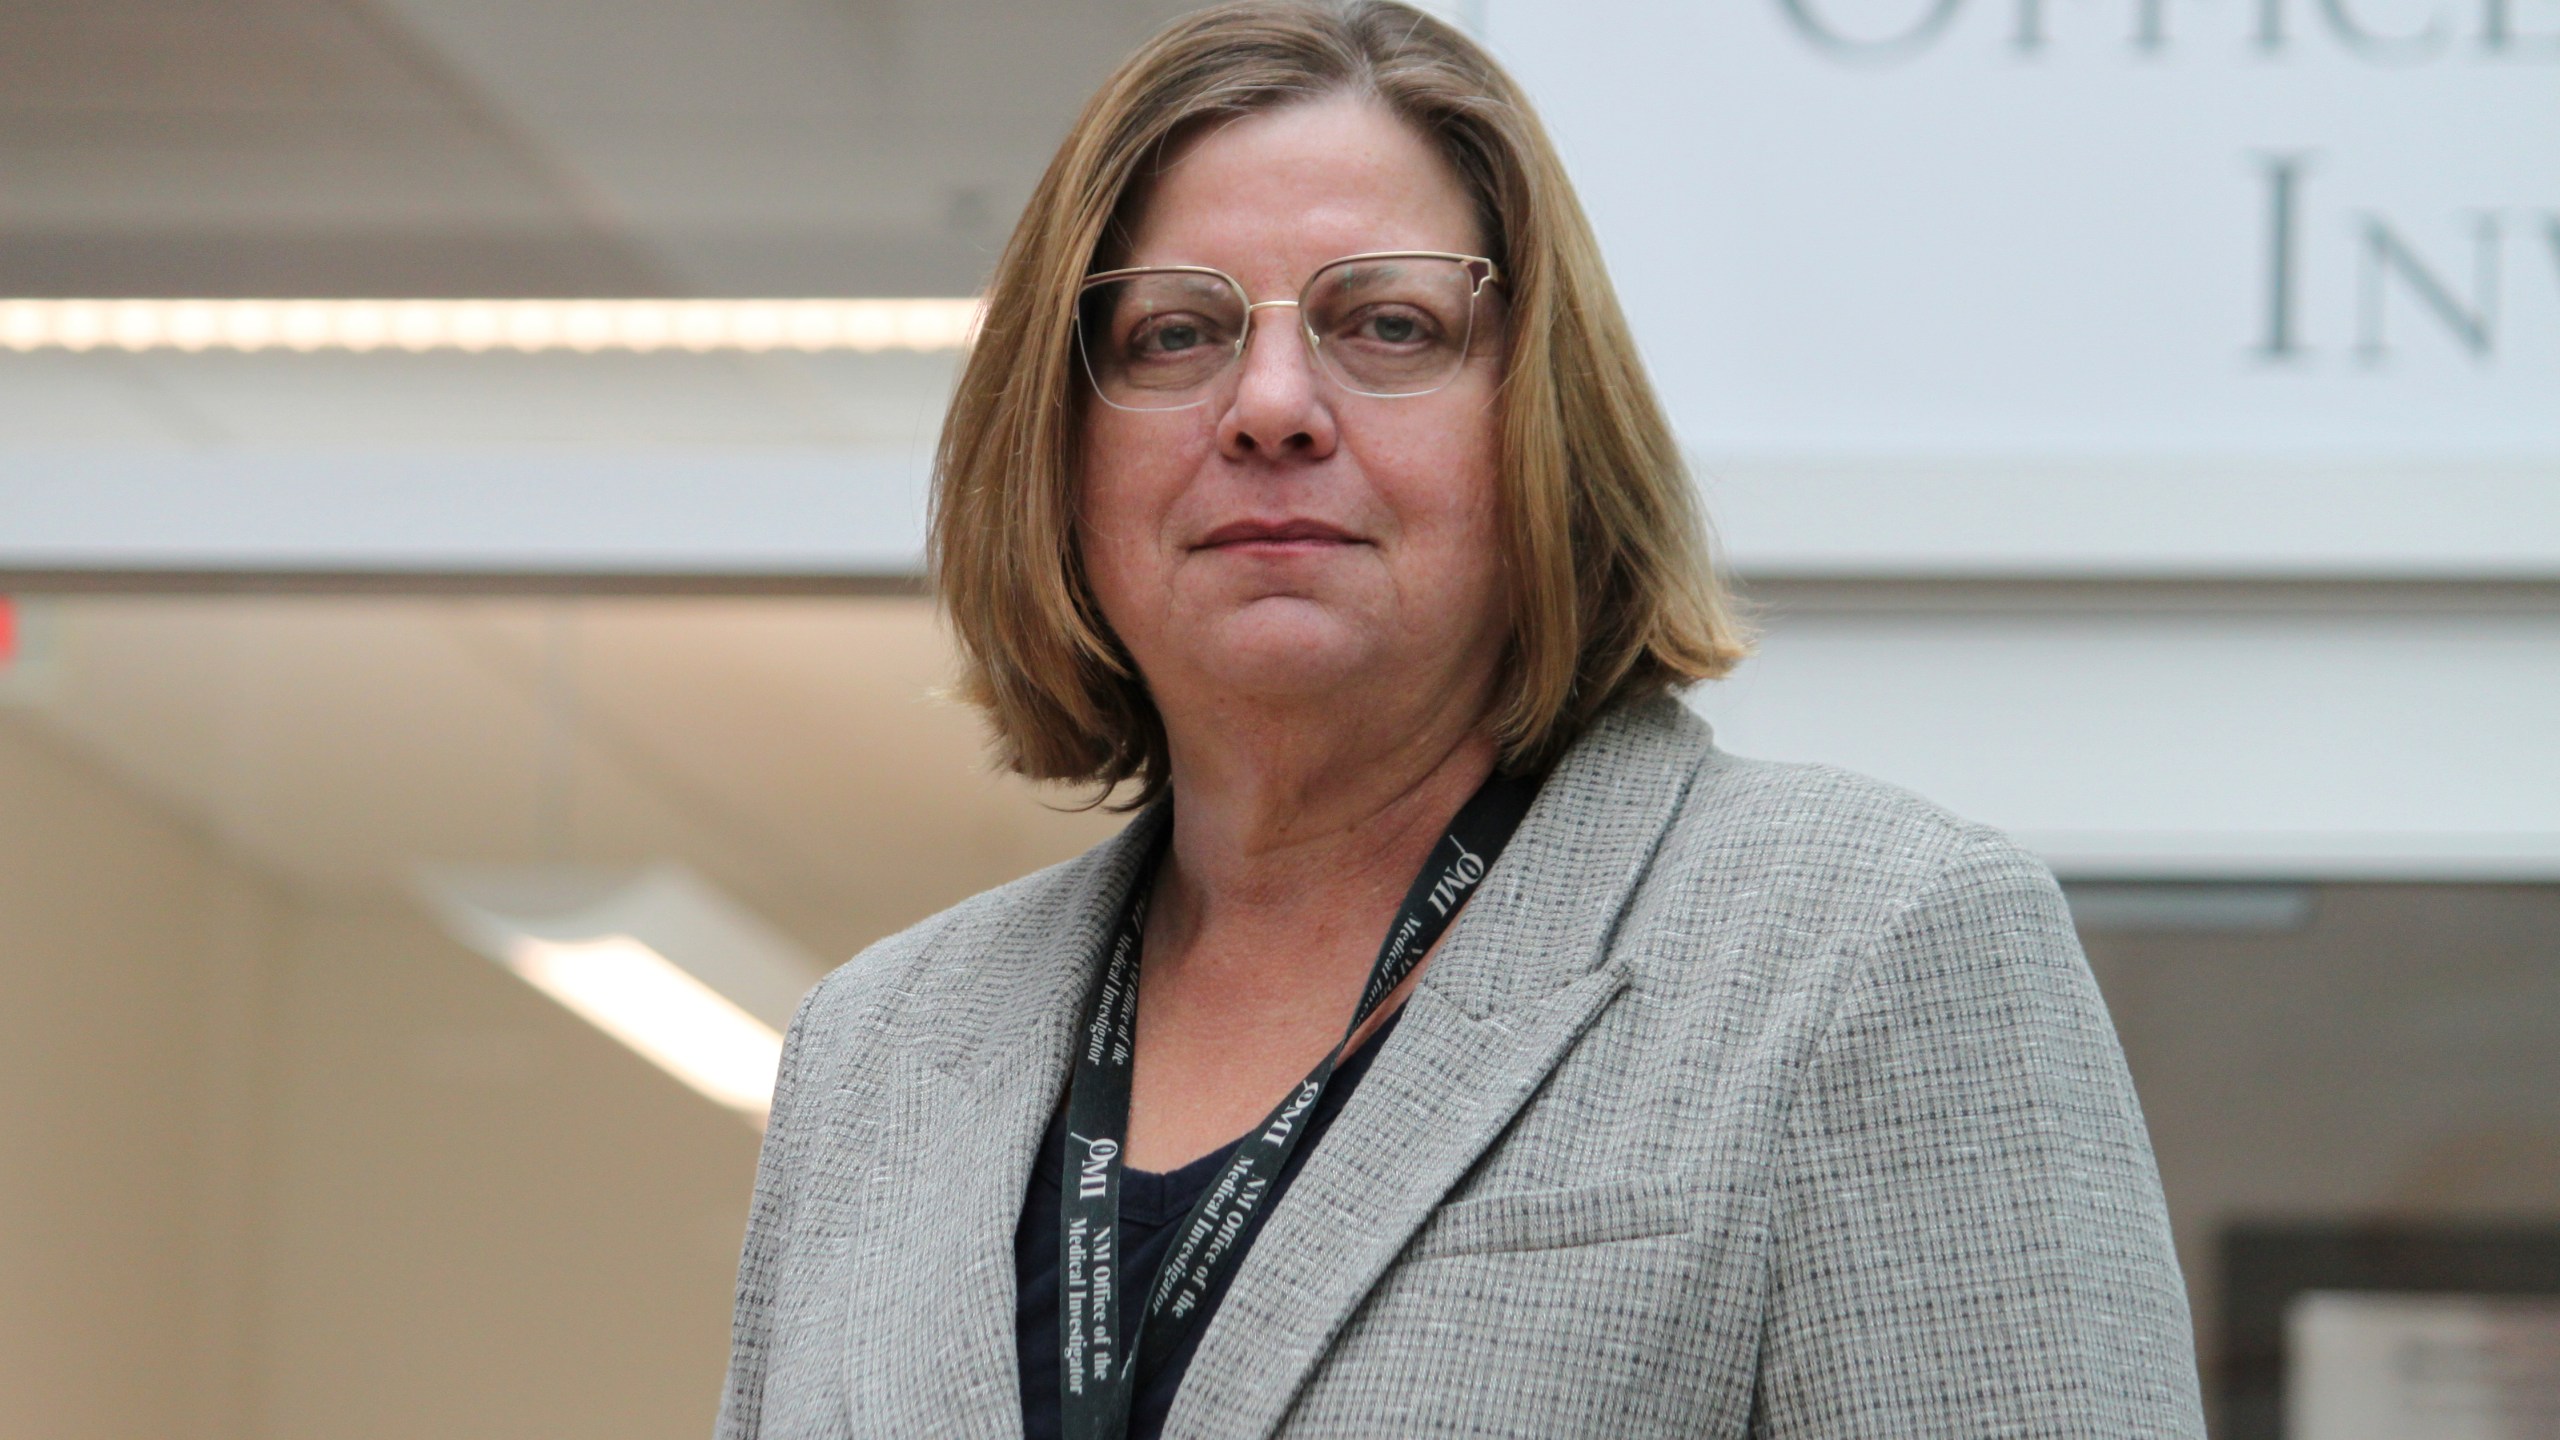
(1156, 339)
(1392, 325)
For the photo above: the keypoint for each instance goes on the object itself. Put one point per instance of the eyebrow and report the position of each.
(1369, 272)
(1185, 278)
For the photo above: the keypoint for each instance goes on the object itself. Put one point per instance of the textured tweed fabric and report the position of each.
(1743, 1100)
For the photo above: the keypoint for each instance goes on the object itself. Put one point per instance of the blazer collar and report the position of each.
(1552, 899)
(996, 1030)
(1030, 978)
(1517, 978)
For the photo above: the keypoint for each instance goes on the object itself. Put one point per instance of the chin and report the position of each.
(1299, 652)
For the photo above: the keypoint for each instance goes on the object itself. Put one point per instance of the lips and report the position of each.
(1277, 532)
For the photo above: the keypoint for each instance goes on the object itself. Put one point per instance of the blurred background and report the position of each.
(436, 724)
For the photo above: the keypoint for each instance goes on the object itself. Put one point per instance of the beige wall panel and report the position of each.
(129, 1142)
(489, 1219)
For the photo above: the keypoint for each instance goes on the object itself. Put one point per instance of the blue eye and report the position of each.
(1394, 326)
(1168, 337)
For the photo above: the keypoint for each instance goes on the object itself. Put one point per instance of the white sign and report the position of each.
(2108, 229)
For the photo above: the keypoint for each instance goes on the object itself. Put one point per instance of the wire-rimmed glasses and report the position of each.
(1388, 323)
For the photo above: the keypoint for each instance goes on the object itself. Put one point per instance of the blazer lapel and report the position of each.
(1518, 978)
(972, 1119)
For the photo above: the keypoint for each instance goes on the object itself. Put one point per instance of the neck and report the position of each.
(1275, 816)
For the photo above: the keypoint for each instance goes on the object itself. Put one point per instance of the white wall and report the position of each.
(2118, 229)
(2184, 731)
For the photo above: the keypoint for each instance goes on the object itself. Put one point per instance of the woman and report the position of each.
(1455, 1042)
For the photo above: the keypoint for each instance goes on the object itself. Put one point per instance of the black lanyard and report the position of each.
(1098, 1365)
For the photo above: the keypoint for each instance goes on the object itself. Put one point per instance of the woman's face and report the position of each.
(1288, 539)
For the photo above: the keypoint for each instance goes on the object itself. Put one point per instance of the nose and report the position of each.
(1277, 410)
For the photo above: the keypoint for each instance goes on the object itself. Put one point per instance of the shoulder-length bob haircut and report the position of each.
(1611, 586)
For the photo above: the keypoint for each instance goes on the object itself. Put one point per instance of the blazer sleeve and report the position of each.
(1969, 1236)
(768, 1221)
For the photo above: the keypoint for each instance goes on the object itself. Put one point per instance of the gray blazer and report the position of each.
(1743, 1099)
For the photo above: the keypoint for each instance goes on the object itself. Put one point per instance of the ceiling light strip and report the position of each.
(522, 326)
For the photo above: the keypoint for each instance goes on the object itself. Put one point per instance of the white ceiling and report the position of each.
(533, 146)
(551, 148)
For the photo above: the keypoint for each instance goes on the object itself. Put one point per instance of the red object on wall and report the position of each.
(8, 631)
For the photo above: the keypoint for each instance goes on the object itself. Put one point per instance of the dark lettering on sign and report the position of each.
(2270, 27)
(2386, 254)
(1908, 29)
(2423, 43)
(2284, 181)
(2459, 286)
(2498, 33)
(1913, 39)
(2151, 29)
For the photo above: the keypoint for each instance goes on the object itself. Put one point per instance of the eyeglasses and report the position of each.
(1391, 324)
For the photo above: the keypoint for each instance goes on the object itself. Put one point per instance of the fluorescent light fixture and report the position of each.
(2190, 909)
(583, 326)
(654, 957)
(681, 1025)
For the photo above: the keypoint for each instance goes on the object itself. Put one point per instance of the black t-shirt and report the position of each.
(1151, 1209)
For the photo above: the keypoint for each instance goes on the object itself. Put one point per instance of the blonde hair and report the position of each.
(1612, 590)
